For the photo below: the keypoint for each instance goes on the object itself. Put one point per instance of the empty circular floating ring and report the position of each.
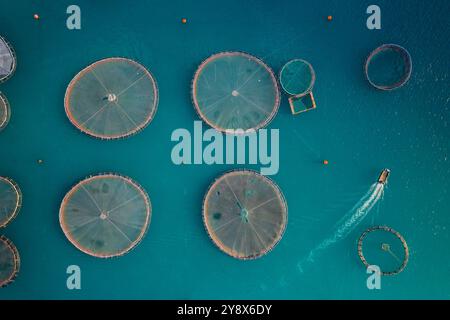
(9, 262)
(112, 98)
(105, 215)
(383, 244)
(245, 214)
(8, 61)
(10, 200)
(388, 67)
(234, 90)
(5, 112)
(297, 77)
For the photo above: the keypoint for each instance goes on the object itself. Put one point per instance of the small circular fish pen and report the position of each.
(245, 214)
(9, 262)
(8, 61)
(384, 247)
(297, 78)
(105, 215)
(112, 98)
(388, 67)
(5, 112)
(10, 200)
(235, 90)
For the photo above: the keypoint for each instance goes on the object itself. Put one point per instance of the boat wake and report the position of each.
(348, 223)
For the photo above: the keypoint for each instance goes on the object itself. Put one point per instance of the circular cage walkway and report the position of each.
(5, 112)
(234, 90)
(379, 241)
(10, 200)
(9, 262)
(112, 98)
(388, 67)
(8, 61)
(245, 214)
(105, 215)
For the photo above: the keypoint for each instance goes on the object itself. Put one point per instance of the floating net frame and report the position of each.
(304, 94)
(13, 67)
(397, 235)
(16, 201)
(406, 59)
(220, 55)
(112, 98)
(100, 213)
(9, 250)
(5, 111)
(284, 72)
(301, 99)
(213, 190)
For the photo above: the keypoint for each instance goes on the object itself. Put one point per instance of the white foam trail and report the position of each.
(348, 223)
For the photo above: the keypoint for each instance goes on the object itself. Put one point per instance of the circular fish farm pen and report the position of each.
(105, 215)
(112, 98)
(8, 61)
(388, 67)
(297, 77)
(9, 262)
(10, 200)
(245, 214)
(384, 247)
(235, 90)
(5, 111)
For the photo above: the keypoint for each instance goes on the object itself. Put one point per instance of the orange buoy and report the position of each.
(184, 20)
(329, 18)
(36, 16)
(325, 162)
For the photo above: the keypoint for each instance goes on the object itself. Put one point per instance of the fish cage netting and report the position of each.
(297, 77)
(384, 247)
(234, 90)
(10, 200)
(105, 215)
(5, 111)
(388, 67)
(9, 262)
(8, 60)
(112, 98)
(245, 214)
(302, 103)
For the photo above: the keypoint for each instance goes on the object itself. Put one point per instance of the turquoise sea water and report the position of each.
(358, 129)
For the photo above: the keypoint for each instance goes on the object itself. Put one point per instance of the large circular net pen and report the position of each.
(384, 247)
(9, 262)
(234, 90)
(8, 61)
(105, 215)
(388, 67)
(10, 200)
(5, 112)
(245, 214)
(112, 98)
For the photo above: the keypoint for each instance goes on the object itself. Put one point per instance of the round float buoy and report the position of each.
(325, 162)
(329, 18)
(36, 16)
(184, 20)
